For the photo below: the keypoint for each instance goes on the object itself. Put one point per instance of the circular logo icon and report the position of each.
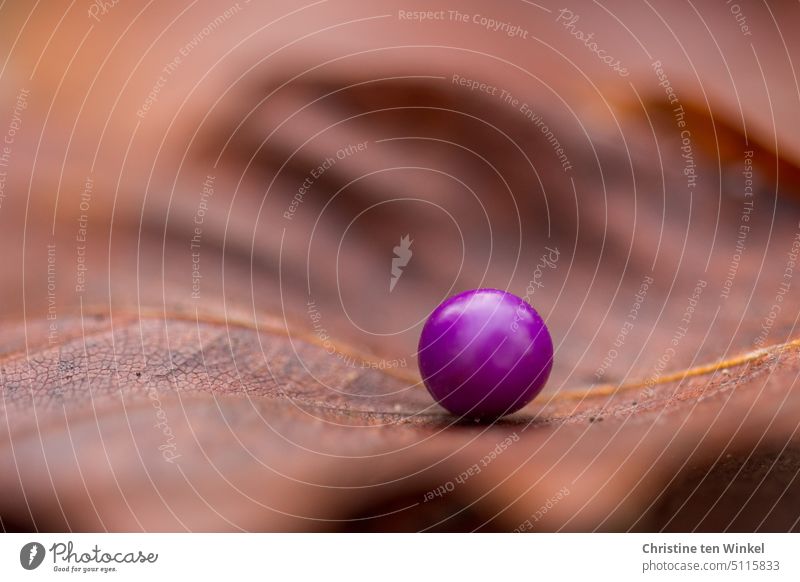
(31, 555)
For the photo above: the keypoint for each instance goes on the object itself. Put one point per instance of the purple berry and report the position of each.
(485, 353)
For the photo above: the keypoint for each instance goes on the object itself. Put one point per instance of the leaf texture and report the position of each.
(200, 329)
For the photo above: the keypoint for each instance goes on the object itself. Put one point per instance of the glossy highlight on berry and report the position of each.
(485, 353)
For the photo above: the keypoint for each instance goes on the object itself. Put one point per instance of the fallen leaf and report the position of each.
(205, 362)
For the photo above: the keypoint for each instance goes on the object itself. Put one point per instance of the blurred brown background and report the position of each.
(158, 248)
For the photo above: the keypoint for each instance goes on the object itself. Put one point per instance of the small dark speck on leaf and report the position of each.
(66, 366)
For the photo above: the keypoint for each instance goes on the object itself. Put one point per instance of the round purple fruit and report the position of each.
(485, 353)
